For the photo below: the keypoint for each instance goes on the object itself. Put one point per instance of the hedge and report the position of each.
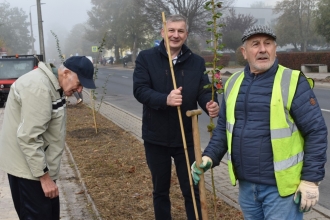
(294, 60)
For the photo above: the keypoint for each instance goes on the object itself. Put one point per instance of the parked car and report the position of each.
(12, 67)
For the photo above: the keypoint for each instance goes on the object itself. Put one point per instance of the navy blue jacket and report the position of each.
(252, 150)
(152, 83)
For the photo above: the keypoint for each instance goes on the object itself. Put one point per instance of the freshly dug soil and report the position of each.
(113, 166)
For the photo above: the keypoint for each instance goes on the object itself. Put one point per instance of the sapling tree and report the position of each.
(216, 81)
(60, 55)
(93, 92)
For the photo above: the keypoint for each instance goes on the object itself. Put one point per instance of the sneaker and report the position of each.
(79, 101)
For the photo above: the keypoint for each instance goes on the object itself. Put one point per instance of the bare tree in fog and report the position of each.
(14, 30)
(295, 24)
(124, 22)
(136, 23)
(193, 10)
(234, 26)
(76, 43)
(323, 19)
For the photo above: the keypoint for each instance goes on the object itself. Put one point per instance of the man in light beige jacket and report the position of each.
(33, 134)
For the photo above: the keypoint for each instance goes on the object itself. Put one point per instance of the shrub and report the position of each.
(294, 60)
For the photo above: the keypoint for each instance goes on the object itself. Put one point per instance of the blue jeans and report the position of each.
(159, 160)
(259, 201)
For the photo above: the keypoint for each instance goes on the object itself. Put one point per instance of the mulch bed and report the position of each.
(113, 166)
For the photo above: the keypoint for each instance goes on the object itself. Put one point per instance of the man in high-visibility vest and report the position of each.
(272, 127)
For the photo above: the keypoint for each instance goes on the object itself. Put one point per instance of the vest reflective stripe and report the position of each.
(284, 132)
(228, 157)
(287, 142)
(285, 86)
(229, 127)
(230, 85)
(231, 90)
(285, 164)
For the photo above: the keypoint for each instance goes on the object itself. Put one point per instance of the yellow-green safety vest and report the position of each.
(287, 141)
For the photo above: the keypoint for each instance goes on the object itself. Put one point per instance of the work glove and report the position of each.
(307, 194)
(205, 165)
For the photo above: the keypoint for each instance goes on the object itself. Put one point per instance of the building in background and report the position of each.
(264, 16)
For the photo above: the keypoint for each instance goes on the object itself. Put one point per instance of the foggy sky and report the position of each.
(247, 3)
(67, 13)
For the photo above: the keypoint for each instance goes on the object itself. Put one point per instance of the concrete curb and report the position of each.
(89, 198)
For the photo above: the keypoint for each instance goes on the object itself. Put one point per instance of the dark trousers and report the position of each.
(160, 164)
(30, 201)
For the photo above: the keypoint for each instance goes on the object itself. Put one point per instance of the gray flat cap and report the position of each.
(257, 29)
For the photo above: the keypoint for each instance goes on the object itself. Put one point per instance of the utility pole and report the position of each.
(41, 32)
(32, 39)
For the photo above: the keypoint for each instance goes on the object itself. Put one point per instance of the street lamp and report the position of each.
(32, 39)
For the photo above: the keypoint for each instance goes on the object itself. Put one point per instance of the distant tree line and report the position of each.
(135, 24)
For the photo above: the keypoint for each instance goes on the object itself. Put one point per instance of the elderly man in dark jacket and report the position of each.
(153, 87)
(272, 127)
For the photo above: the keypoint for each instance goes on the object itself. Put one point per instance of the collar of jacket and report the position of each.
(186, 52)
(272, 70)
(49, 73)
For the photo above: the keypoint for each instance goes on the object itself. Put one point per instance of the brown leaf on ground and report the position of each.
(113, 167)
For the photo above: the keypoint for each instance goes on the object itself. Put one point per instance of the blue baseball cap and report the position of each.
(84, 68)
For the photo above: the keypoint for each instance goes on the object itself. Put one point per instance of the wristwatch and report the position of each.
(317, 183)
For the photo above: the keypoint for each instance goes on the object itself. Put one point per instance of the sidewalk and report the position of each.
(75, 205)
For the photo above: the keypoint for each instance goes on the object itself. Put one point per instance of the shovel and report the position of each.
(198, 157)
